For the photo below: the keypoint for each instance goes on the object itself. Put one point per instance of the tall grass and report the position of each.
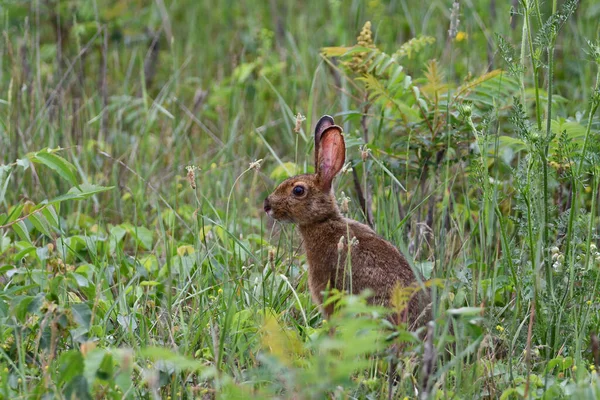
(138, 141)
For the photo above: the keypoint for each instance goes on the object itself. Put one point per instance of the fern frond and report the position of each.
(467, 87)
(413, 46)
(435, 79)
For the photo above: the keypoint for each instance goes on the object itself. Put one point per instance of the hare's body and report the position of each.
(329, 238)
(374, 263)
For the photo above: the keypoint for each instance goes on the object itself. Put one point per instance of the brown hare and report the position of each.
(375, 263)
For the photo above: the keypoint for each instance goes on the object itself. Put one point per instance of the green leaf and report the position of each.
(21, 305)
(56, 163)
(21, 254)
(23, 163)
(83, 192)
(77, 388)
(465, 311)
(21, 229)
(38, 220)
(51, 217)
(14, 214)
(143, 236)
(95, 364)
(70, 364)
(5, 174)
(82, 314)
(180, 362)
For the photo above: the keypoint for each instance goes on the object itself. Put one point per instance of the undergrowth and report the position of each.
(138, 141)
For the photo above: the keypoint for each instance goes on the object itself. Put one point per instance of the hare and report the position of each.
(308, 201)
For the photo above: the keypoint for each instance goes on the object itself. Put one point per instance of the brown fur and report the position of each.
(374, 263)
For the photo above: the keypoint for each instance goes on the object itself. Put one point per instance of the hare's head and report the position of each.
(307, 199)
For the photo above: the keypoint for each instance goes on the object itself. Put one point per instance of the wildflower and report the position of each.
(299, 119)
(460, 36)
(589, 302)
(499, 328)
(554, 250)
(213, 166)
(220, 291)
(592, 368)
(359, 63)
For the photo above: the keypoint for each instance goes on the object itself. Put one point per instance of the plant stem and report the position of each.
(538, 105)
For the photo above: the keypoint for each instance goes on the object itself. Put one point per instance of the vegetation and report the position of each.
(139, 139)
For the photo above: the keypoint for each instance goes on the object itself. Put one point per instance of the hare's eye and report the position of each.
(298, 190)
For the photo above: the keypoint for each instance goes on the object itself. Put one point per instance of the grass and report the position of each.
(138, 141)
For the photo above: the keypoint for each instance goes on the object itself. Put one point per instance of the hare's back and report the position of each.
(376, 263)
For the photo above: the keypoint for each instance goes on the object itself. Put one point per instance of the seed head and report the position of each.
(344, 205)
(299, 119)
(341, 244)
(191, 175)
(256, 164)
(272, 256)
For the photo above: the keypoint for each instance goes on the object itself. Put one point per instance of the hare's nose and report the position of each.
(267, 205)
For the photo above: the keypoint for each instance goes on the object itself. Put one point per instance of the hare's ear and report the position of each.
(332, 155)
(325, 122)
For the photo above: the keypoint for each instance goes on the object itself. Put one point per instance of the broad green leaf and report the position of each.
(21, 305)
(77, 388)
(64, 168)
(21, 229)
(38, 220)
(94, 364)
(14, 213)
(70, 364)
(51, 217)
(82, 314)
(180, 362)
(83, 192)
(143, 236)
(465, 311)
(24, 163)
(24, 252)
(284, 171)
(5, 174)
(335, 51)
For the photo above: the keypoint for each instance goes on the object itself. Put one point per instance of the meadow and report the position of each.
(138, 140)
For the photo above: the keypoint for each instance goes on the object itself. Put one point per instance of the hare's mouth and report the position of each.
(279, 217)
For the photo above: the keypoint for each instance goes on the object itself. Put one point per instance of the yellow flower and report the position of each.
(499, 328)
(460, 36)
(364, 39)
(589, 302)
